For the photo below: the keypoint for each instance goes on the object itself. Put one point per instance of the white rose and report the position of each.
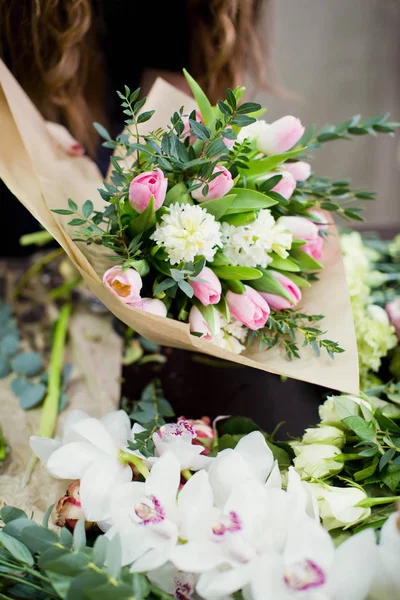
(336, 408)
(314, 461)
(327, 434)
(338, 506)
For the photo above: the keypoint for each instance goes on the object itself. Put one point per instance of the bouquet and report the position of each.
(213, 220)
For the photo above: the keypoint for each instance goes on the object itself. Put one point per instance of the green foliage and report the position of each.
(4, 449)
(40, 564)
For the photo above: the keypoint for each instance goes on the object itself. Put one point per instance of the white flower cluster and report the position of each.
(251, 245)
(231, 527)
(187, 231)
(231, 336)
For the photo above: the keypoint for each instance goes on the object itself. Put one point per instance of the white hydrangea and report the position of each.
(231, 336)
(188, 231)
(250, 245)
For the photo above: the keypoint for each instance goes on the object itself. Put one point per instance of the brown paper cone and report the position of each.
(43, 178)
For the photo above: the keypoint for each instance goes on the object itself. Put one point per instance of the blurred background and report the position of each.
(334, 60)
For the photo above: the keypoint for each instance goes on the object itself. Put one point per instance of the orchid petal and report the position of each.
(217, 583)
(124, 499)
(227, 469)
(389, 549)
(254, 450)
(43, 447)
(195, 505)
(133, 542)
(153, 558)
(197, 557)
(118, 426)
(95, 432)
(301, 496)
(98, 484)
(308, 540)
(274, 480)
(164, 480)
(72, 460)
(268, 580)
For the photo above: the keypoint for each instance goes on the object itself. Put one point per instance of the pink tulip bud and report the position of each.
(198, 324)
(393, 311)
(186, 127)
(152, 306)
(280, 136)
(126, 286)
(209, 290)
(146, 185)
(217, 188)
(300, 170)
(203, 430)
(69, 509)
(249, 308)
(318, 218)
(278, 302)
(286, 186)
(304, 229)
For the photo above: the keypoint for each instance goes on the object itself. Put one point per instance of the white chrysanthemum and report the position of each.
(188, 231)
(231, 336)
(250, 245)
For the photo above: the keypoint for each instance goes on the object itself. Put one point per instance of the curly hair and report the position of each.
(51, 47)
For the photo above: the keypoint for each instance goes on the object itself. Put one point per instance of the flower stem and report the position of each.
(29, 584)
(128, 458)
(186, 474)
(368, 502)
(35, 269)
(49, 411)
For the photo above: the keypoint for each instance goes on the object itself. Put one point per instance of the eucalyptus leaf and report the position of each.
(5, 367)
(27, 363)
(16, 548)
(32, 395)
(9, 344)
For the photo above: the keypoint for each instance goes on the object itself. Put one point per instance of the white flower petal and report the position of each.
(274, 480)
(250, 502)
(98, 484)
(118, 425)
(301, 496)
(195, 505)
(164, 480)
(389, 549)
(154, 558)
(133, 542)
(72, 460)
(268, 581)
(197, 557)
(95, 432)
(124, 499)
(187, 453)
(43, 447)
(226, 470)
(254, 450)
(164, 578)
(217, 583)
(307, 539)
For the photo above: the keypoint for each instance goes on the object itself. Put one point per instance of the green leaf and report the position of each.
(363, 429)
(203, 102)
(304, 260)
(32, 395)
(209, 314)
(248, 107)
(77, 222)
(331, 206)
(243, 120)
(223, 308)
(391, 476)
(199, 130)
(218, 207)
(37, 538)
(385, 423)
(62, 561)
(235, 286)
(9, 513)
(85, 583)
(270, 285)
(240, 273)
(283, 264)
(368, 471)
(145, 116)
(100, 550)
(73, 205)
(87, 209)
(16, 548)
(300, 281)
(27, 363)
(61, 583)
(186, 288)
(240, 219)
(5, 367)
(9, 344)
(265, 165)
(102, 131)
(62, 211)
(79, 535)
(146, 220)
(178, 195)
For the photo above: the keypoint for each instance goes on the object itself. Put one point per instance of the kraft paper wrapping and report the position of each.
(43, 178)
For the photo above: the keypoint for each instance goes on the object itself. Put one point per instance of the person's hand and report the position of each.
(64, 139)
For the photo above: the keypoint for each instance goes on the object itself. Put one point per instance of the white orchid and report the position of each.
(338, 506)
(93, 451)
(178, 439)
(177, 583)
(386, 582)
(251, 459)
(309, 568)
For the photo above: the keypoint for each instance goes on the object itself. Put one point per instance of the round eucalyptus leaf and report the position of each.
(5, 367)
(32, 395)
(27, 363)
(9, 344)
(19, 386)
(62, 402)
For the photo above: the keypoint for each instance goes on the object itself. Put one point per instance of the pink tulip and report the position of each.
(69, 508)
(304, 229)
(198, 324)
(186, 127)
(152, 306)
(300, 170)
(146, 185)
(126, 286)
(280, 136)
(286, 186)
(217, 188)
(249, 308)
(209, 290)
(393, 311)
(318, 218)
(278, 302)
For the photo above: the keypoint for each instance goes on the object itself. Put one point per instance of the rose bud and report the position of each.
(209, 290)
(205, 434)
(217, 188)
(300, 170)
(304, 229)
(249, 308)
(198, 324)
(278, 302)
(146, 185)
(280, 136)
(151, 305)
(69, 509)
(393, 311)
(126, 286)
